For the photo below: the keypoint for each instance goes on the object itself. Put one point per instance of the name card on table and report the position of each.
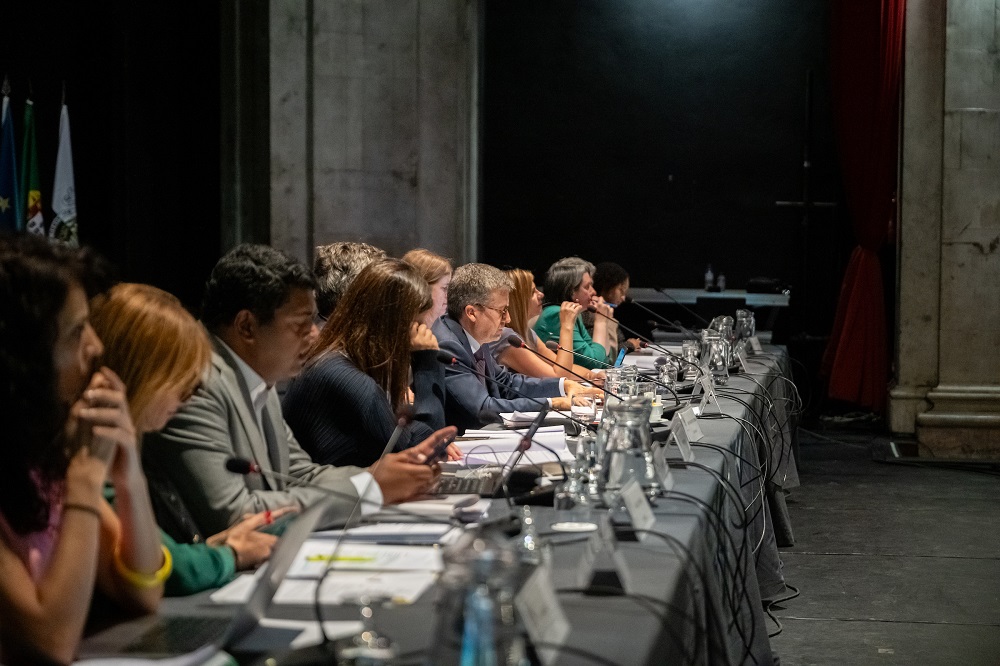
(541, 614)
(708, 393)
(602, 568)
(741, 353)
(661, 467)
(683, 428)
(637, 505)
(755, 344)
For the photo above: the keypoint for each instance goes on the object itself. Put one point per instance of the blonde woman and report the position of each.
(525, 306)
(161, 353)
(436, 270)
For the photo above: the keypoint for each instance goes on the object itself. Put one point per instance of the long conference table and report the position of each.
(696, 595)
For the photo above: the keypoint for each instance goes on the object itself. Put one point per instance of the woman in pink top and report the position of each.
(67, 430)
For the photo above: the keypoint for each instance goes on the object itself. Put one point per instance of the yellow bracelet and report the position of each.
(144, 581)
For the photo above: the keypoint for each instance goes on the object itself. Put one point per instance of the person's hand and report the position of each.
(405, 475)
(101, 423)
(602, 307)
(85, 477)
(421, 337)
(636, 343)
(251, 547)
(576, 388)
(568, 312)
(597, 377)
(454, 453)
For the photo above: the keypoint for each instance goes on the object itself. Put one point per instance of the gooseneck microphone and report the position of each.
(689, 310)
(647, 341)
(516, 342)
(558, 347)
(449, 359)
(676, 326)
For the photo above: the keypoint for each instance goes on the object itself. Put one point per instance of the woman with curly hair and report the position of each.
(67, 429)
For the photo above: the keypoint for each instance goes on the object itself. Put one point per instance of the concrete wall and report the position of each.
(948, 355)
(374, 124)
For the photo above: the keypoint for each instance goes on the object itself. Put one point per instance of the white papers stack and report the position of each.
(314, 557)
(400, 572)
(495, 447)
(524, 419)
(403, 587)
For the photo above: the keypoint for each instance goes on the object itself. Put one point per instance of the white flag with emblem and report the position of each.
(63, 190)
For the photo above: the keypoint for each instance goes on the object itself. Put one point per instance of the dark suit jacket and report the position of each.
(467, 399)
(186, 460)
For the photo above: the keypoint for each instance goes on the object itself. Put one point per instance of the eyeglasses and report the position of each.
(504, 311)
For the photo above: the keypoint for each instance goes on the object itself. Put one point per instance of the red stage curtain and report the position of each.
(866, 42)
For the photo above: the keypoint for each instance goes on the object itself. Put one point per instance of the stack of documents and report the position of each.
(496, 447)
(400, 573)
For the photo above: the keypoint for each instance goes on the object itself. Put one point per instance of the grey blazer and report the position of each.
(189, 456)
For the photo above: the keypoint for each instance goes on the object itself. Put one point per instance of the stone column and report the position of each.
(372, 127)
(948, 378)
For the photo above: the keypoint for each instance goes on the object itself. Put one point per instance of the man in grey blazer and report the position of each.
(259, 307)
(478, 386)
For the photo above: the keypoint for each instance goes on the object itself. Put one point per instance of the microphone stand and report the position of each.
(673, 324)
(647, 341)
(453, 360)
(518, 343)
(689, 310)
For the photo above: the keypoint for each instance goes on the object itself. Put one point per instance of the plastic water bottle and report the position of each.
(709, 278)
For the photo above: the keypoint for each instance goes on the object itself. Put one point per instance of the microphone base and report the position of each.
(325, 653)
(541, 497)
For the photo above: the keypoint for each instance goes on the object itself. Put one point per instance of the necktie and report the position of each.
(480, 357)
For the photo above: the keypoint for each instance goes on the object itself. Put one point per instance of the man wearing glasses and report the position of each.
(478, 386)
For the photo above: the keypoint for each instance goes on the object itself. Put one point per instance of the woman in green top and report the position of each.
(161, 353)
(571, 279)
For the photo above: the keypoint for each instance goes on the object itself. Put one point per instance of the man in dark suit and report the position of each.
(477, 313)
(259, 307)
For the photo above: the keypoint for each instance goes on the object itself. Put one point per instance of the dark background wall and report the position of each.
(142, 86)
(655, 133)
(659, 134)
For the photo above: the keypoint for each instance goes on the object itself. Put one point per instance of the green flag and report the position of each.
(31, 190)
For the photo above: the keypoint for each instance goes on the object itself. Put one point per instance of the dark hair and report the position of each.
(35, 278)
(335, 268)
(564, 277)
(372, 324)
(257, 278)
(607, 276)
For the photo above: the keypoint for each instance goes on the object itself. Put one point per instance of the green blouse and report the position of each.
(591, 354)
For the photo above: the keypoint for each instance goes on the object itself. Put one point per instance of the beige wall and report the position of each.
(948, 352)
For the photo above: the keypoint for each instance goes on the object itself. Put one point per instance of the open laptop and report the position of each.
(487, 482)
(165, 635)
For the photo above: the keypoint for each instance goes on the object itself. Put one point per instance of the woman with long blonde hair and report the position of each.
(161, 353)
(525, 305)
(436, 270)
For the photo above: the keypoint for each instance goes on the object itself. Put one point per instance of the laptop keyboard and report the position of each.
(178, 634)
(466, 485)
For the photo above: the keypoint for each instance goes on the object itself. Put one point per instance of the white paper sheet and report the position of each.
(403, 587)
(422, 532)
(238, 590)
(531, 458)
(314, 556)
